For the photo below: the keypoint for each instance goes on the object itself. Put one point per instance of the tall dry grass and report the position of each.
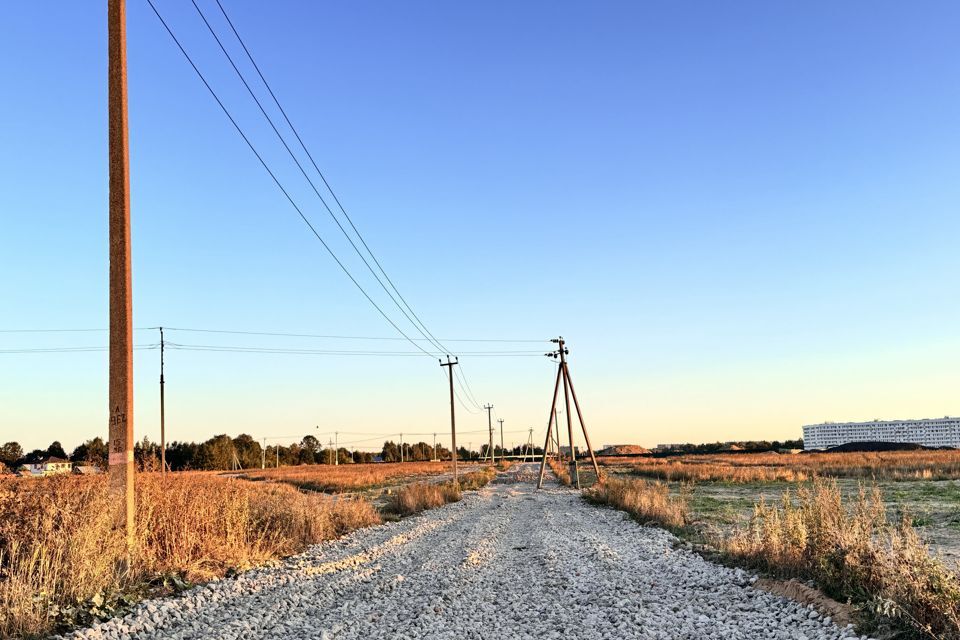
(773, 467)
(420, 496)
(648, 502)
(61, 543)
(852, 551)
(561, 470)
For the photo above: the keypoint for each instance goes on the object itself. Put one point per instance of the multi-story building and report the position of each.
(931, 432)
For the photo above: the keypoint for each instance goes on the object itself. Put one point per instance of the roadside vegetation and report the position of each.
(649, 502)
(813, 518)
(853, 552)
(63, 556)
(561, 470)
(420, 496)
(63, 551)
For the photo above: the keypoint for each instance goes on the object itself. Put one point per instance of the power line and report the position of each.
(340, 337)
(72, 349)
(300, 166)
(71, 330)
(419, 325)
(280, 334)
(252, 349)
(325, 182)
(277, 181)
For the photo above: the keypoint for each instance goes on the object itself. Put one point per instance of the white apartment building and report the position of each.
(931, 432)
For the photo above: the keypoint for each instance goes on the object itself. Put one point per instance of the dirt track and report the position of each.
(506, 562)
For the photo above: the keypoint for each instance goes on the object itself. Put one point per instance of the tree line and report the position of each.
(222, 452)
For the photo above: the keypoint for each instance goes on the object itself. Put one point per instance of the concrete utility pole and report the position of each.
(263, 455)
(334, 453)
(336, 449)
(120, 408)
(434, 447)
(489, 407)
(163, 435)
(401, 447)
(502, 450)
(450, 364)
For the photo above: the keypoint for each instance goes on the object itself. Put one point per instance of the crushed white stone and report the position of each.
(506, 562)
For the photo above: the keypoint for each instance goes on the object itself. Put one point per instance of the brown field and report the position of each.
(774, 467)
(353, 477)
(62, 553)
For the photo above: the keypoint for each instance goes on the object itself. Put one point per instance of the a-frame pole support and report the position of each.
(586, 436)
(563, 372)
(546, 443)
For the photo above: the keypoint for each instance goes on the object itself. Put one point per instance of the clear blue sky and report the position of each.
(743, 216)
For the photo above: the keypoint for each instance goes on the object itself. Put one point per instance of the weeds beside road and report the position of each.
(414, 498)
(62, 553)
(851, 549)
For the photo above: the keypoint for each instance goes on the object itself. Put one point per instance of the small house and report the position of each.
(48, 466)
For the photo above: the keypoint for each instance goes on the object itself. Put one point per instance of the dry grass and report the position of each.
(414, 498)
(773, 467)
(648, 502)
(852, 551)
(60, 543)
(420, 496)
(561, 470)
(350, 477)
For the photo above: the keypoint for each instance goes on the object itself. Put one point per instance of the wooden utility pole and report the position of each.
(163, 434)
(563, 372)
(550, 420)
(450, 364)
(120, 407)
(502, 450)
(574, 474)
(489, 407)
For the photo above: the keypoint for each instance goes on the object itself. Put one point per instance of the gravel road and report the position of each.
(505, 562)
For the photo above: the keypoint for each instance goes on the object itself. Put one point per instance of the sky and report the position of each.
(741, 215)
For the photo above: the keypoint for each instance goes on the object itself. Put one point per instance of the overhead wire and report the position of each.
(296, 133)
(253, 349)
(302, 170)
(278, 183)
(419, 325)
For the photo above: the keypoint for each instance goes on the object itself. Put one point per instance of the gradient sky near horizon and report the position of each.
(742, 215)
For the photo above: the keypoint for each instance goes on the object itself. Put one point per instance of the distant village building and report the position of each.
(48, 466)
(668, 447)
(88, 470)
(931, 432)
